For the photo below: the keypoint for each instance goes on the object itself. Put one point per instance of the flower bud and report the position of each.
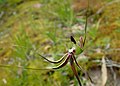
(81, 42)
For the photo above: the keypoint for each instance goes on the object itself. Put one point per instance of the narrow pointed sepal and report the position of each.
(74, 70)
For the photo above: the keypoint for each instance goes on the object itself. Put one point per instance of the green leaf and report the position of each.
(78, 50)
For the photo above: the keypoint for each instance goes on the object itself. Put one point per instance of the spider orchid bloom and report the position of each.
(69, 57)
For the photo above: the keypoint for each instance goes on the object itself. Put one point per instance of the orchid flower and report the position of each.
(70, 57)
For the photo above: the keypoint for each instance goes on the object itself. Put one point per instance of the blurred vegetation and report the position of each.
(44, 26)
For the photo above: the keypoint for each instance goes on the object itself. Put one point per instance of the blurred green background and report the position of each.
(44, 26)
